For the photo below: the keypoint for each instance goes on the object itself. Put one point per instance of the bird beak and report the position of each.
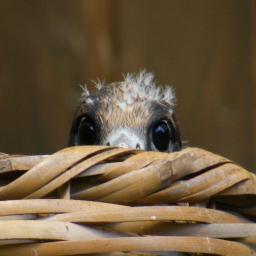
(126, 138)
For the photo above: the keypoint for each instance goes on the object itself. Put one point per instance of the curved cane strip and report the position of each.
(141, 244)
(153, 213)
(49, 206)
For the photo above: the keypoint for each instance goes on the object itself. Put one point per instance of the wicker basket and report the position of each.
(104, 200)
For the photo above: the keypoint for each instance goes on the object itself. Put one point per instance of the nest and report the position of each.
(104, 200)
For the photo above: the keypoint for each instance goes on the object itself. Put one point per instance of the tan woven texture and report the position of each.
(104, 200)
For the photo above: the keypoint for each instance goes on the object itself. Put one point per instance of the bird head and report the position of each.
(133, 113)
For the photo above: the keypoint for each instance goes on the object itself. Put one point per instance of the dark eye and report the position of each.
(161, 135)
(86, 132)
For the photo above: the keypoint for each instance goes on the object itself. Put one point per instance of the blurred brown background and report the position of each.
(205, 48)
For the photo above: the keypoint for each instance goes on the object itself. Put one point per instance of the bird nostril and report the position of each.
(137, 146)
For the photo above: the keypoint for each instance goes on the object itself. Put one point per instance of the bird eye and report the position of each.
(161, 135)
(86, 131)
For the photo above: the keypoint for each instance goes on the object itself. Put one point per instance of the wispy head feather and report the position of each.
(140, 87)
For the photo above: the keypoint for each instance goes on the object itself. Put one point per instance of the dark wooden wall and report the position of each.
(204, 48)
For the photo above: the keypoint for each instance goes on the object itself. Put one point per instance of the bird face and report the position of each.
(134, 113)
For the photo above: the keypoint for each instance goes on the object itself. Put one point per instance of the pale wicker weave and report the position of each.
(103, 200)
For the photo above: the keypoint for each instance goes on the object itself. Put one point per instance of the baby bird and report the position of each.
(133, 113)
